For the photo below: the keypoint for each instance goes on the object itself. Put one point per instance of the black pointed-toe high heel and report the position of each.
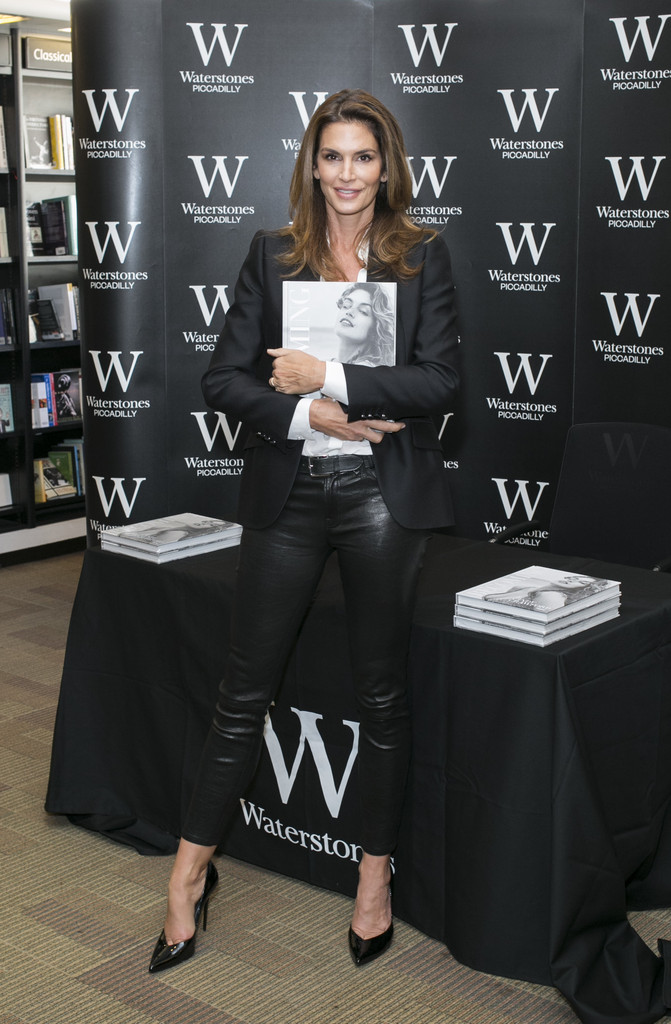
(165, 955)
(364, 951)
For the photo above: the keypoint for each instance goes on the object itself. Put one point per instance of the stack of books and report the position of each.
(537, 605)
(171, 537)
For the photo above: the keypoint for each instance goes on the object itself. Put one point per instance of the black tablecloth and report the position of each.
(537, 802)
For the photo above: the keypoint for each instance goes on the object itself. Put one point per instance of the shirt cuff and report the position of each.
(335, 382)
(299, 428)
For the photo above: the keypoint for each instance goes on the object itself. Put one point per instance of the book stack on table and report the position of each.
(171, 537)
(537, 605)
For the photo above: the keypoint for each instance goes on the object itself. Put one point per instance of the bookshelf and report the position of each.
(37, 94)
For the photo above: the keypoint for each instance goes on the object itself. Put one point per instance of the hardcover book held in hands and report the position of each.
(171, 537)
(537, 605)
(332, 320)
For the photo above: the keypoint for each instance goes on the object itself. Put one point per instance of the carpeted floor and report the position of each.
(80, 914)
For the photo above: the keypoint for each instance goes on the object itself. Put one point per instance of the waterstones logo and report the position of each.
(624, 450)
(293, 145)
(431, 179)
(633, 311)
(532, 241)
(202, 466)
(518, 494)
(432, 42)
(217, 40)
(639, 37)
(522, 373)
(107, 110)
(216, 176)
(110, 240)
(202, 340)
(116, 368)
(526, 111)
(637, 179)
(286, 775)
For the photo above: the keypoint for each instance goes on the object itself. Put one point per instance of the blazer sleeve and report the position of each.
(425, 379)
(236, 380)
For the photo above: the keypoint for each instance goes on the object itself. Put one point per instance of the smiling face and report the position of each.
(349, 170)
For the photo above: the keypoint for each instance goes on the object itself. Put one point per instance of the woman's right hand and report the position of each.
(329, 418)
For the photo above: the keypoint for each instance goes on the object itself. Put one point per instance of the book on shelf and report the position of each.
(42, 400)
(50, 484)
(4, 161)
(7, 317)
(56, 140)
(4, 237)
(62, 298)
(34, 241)
(37, 142)
(54, 227)
(565, 627)
(48, 323)
(59, 395)
(51, 227)
(60, 135)
(74, 446)
(67, 386)
(64, 458)
(171, 537)
(6, 409)
(5, 491)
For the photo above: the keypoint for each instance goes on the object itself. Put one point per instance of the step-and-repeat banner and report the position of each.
(538, 145)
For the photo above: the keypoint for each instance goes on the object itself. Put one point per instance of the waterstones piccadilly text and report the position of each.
(113, 280)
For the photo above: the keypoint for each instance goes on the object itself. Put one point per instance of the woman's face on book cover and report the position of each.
(356, 319)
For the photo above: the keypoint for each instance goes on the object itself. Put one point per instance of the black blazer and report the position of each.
(422, 384)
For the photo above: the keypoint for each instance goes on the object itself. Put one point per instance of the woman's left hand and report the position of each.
(296, 372)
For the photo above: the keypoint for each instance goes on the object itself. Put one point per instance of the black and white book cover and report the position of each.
(334, 320)
(37, 141)
(170, 533)
(539, 592)
(67, 389)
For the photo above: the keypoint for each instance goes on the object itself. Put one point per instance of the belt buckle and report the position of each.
(317, 465)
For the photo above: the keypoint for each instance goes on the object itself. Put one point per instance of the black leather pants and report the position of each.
(279, 570)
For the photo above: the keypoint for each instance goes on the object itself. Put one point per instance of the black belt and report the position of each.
(317, 465)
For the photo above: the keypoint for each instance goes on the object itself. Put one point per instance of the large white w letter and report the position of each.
(333, 795)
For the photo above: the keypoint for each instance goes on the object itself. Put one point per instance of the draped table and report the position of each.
(537, 805)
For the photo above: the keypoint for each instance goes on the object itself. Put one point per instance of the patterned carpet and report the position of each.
(80, 914)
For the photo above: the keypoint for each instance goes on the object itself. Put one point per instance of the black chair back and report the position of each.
(613, 500)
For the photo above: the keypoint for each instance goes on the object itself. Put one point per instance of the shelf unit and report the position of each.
(24, 91)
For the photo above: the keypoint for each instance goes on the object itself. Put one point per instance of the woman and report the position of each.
(358, 470)
(365, 325)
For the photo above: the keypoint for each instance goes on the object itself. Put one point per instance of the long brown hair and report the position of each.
(392, 233)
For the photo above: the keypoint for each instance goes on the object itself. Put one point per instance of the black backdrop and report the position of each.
(539, 144)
